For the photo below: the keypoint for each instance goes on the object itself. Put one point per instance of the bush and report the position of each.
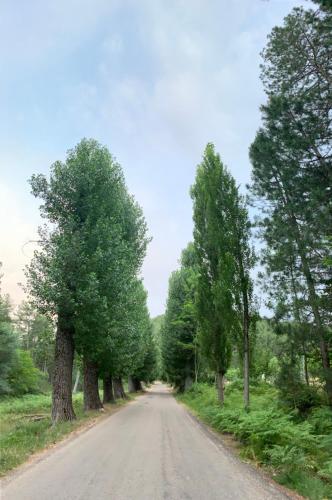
(293, 392)
(298, 450)
(7, 354)
(23, 376)
(304, 399)
(321, 420)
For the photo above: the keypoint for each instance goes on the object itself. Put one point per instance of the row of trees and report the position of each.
(85, 277)
(210, 303)
(291, 191)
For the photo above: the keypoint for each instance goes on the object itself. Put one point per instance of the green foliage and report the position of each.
(224, 259)
(324, 4)
(320, 419)
(131, 348)
(22, 434)
(272, 437)
(265, 365)
(147, 370)
(23, 376)
(7, 355)
(8, 343)
(85, 272)
(179, 326)
(156, 333)
(213, 194)
(36, 334)
(294, 392)
(291, 158)
(96, 247)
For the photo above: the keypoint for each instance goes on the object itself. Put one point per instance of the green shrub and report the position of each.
(7, 354)
(306, 484)
(305, 399)
(326, 471)
(293, 391)
(298, 450)
(23, 376)
(287, 457)
(233, 374)
(321, 420)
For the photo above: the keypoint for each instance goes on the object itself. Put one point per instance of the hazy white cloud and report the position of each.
(32, 32)
(154, 80)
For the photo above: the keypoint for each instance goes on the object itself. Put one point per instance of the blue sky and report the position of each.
(154, 80)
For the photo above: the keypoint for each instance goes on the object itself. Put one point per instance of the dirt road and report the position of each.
(151, 449)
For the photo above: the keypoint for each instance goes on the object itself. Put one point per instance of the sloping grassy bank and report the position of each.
(297, 450)
(25, 426)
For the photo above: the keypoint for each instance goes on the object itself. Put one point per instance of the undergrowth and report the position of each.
(26, 426)
(297, 450)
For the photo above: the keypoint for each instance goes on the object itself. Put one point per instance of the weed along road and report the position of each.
(151, 449)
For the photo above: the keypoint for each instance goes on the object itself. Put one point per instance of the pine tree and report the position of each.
(292, 172)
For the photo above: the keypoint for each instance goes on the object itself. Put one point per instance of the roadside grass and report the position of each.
(25, 426)
(296, 451)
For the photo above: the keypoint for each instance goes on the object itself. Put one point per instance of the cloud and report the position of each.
(153, 80)
(34, 31)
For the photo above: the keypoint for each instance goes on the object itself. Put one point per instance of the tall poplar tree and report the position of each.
(96, 242)
(244, 260)
(213, 194)
(179, 328)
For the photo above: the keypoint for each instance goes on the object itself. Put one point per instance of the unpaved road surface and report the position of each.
(151, 449)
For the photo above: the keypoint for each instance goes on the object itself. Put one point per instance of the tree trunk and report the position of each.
(138, 385)
(62, 404)
(305, 367)
(108, 389)
(90, 385)
(188, 383)
(77, 379)
(245, 325)
(313, 298)
(119, 392)
(220, 387)
(124, 395)
(246, 356)
(313, 301)
(196, 361)
(131, 384)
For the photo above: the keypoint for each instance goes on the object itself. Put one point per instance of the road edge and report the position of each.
(219, 440)
(42, 454)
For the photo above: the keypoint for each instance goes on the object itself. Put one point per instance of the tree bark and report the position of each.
(246, 347)
(246, 353)
(108, 389)
(90, 385)
(77, 379)
(312, 294)
(119, 392)
(245, 324)
(220, 387)
(305, 367)
(313, 301)
(138, 385)
(131, 384)
(188, 382)
(62, 404)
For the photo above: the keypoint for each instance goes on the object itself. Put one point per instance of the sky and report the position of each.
(153, 80)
